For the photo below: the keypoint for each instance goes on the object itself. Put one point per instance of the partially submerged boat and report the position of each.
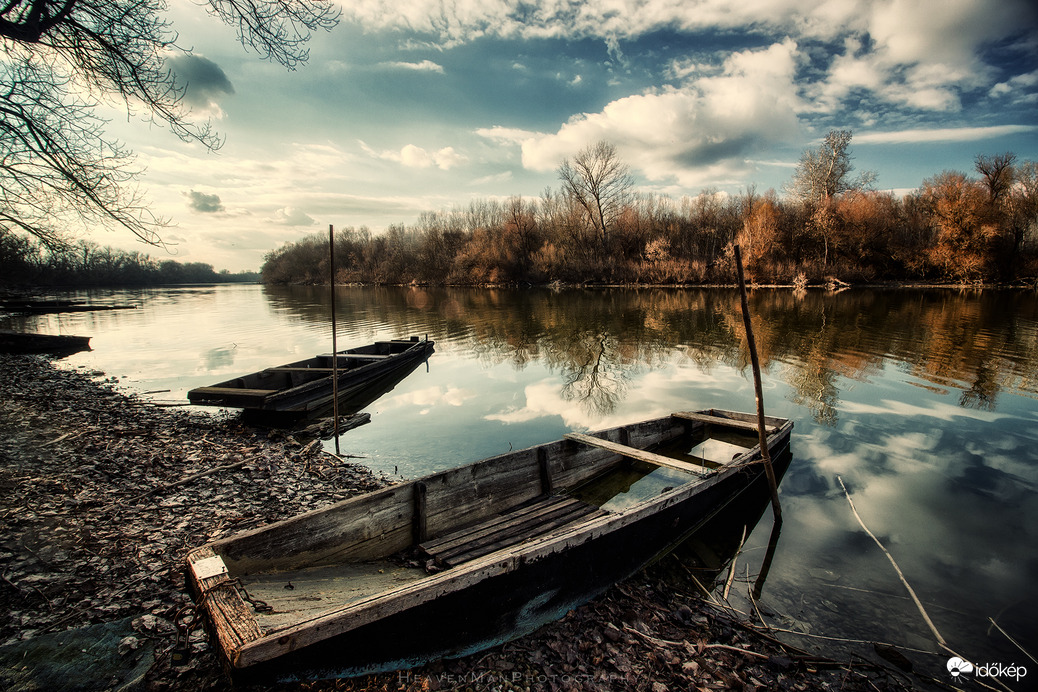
(467, 558)
(28, 342)
(305, 386)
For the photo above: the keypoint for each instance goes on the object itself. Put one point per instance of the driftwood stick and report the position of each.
(731, 568)
(758, 390)
(1015, 643)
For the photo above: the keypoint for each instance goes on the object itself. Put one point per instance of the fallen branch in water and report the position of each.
(1015, 643)
(911, 592)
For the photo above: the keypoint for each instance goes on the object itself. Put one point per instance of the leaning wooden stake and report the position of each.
(758, 391)
(335, 350)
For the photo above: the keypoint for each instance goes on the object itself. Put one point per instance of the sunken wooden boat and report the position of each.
(56, 344)
(305, 386)
(467, 558)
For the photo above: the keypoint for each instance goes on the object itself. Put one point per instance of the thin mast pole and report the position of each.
(758, 391)
(335, 348)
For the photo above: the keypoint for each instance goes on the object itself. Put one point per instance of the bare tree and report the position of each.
(824, 173)
(600, 183)
(62, 58)
(997, 171)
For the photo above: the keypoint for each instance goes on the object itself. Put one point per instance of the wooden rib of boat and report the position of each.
(26, 342)
(306, 385)
(463, 559)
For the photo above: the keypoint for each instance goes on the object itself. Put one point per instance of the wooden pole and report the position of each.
(758, 391)
(335, 349)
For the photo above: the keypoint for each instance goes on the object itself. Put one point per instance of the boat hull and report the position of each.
(514, 603)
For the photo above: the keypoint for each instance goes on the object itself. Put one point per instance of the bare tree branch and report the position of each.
(60, 59)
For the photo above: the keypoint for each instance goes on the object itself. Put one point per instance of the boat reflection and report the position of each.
(702, 561)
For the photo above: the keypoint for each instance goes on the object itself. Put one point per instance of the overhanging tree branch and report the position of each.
(59, 59)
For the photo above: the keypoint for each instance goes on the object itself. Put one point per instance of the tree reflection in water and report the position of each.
(980, 342)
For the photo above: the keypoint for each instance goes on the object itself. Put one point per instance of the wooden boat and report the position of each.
(45, 307)
(305, 386)
(26, 342)
(463, 559)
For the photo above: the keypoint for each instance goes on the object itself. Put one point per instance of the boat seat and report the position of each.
(639, 454)
(288, 369)
(533, 519)
(218, 392)
(357, 356)
(721, 420)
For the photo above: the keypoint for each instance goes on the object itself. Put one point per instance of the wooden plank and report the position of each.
(547, 483)
(230, 391)
(509, 529)
(421, 529)
(359, 356)
(481, 529)
(234, 623)
(721, 420)
(639, 454)
(285, 368)
(509, 523)
(571, 514)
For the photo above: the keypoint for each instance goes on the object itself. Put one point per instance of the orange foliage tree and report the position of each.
(966, 232)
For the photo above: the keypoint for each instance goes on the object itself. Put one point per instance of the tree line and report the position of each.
(829, 225)
(24, 261)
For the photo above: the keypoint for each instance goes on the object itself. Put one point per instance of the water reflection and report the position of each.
(980, 343)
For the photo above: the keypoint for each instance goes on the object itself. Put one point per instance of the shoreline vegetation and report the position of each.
(828, 230)
(29, 265)
(104, 493)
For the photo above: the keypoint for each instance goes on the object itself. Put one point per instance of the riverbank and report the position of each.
(102, 494)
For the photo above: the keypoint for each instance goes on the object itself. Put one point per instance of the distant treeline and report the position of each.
(26, 261)
(954, 228)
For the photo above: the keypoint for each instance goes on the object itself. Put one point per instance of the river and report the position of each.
(924, 402)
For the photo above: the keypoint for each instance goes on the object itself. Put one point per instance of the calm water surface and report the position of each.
(924, 402)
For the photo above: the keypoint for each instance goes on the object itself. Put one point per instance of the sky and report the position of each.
(425, 105)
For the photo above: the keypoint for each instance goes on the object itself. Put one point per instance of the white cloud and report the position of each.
(423, 66)
(291, 216)
(950, 134)
(414, 156)
(693, 133)
(507, 135)
(906, 52)
(1019, 89)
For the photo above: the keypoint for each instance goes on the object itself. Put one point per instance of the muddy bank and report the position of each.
(101, 496)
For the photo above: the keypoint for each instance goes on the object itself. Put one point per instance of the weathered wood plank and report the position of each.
(496, 524)
(634, 453)
(530, 529)
(722, 420)
(234, 623)
(358, 356)
(202, 392)
(421, 529)
(286, 368)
